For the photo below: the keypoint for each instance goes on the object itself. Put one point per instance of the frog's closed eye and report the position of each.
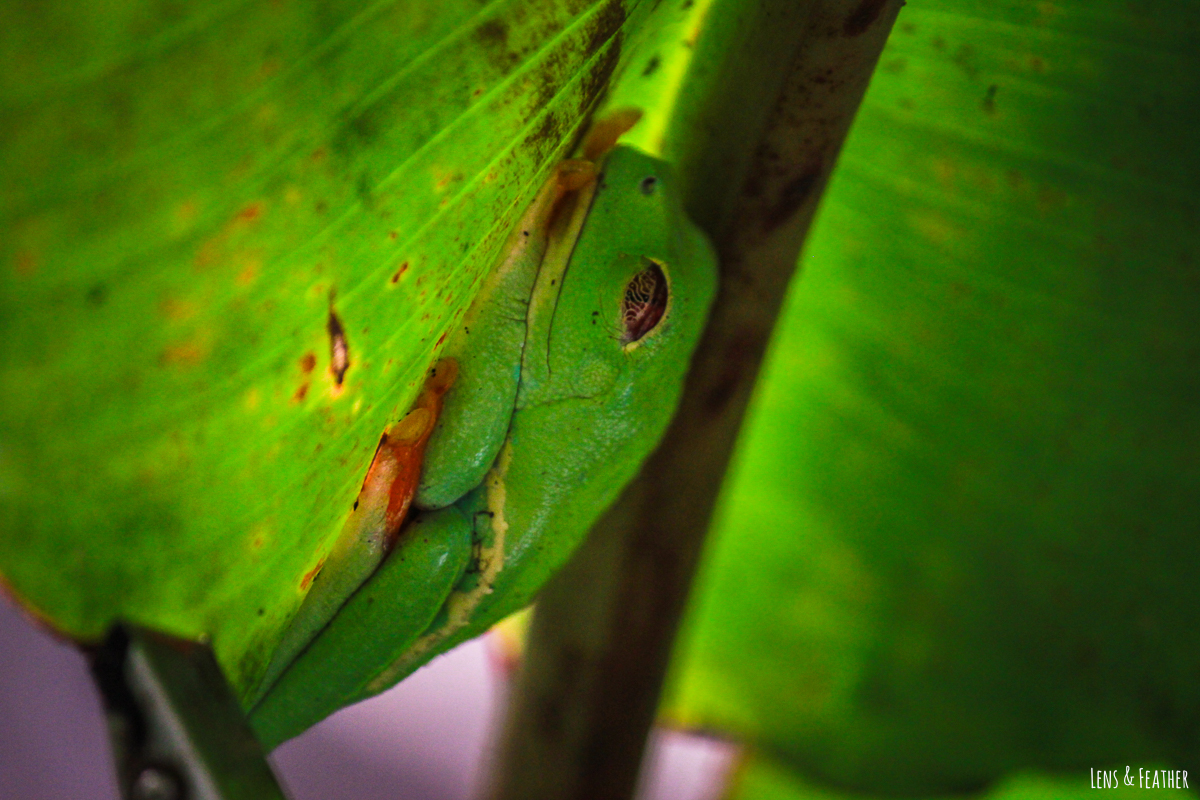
(644, 303)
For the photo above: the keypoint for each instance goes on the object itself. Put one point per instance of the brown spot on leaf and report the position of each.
(26, 263)
(400, 272)
(185, 354)
(989, 99)
(308, 362)
(248, 272)
(493, 32)
(250, 213)
(300, 393)
(176, 310)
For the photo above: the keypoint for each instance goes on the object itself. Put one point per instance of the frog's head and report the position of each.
(608, 347)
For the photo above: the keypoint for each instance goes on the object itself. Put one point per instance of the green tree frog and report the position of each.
(570, 363)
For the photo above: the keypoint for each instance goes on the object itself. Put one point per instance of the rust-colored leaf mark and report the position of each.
(309, 576)
(402, 448)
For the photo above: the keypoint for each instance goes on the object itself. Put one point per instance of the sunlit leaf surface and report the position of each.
(196, 201)
(962, 537)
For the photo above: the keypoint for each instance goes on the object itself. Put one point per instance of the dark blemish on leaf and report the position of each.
(298, 397)
(546, 131)
(493, 35)
(250, 213)
(261, 611)
(364, 126)
(399, 272)
(307, 362)
(792, 197)
(339, 350)
(687, 4)
(441, 339)
(989, 99)
(355, 506)
(358, 132)
(321, 207)
(964, 57)
(393, 235)
(651, 66)
(97, 295)
(493, 32)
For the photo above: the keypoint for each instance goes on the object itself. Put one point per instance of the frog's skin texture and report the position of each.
(571, 363)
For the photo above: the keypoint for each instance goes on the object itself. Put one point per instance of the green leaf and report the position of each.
(961, 539)
(190, 196)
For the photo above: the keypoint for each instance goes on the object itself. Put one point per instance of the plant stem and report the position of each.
(754, 154)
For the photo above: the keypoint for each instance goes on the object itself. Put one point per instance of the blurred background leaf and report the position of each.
(189, 193)
(961, 535)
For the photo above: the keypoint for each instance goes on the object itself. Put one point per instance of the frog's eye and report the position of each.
(645, 302)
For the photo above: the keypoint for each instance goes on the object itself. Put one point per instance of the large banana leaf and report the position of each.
(962, 535)
(203, 207)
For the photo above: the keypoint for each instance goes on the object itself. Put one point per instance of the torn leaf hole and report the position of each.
(339, 350)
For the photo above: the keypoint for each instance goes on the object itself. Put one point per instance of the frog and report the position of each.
(554, 387)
